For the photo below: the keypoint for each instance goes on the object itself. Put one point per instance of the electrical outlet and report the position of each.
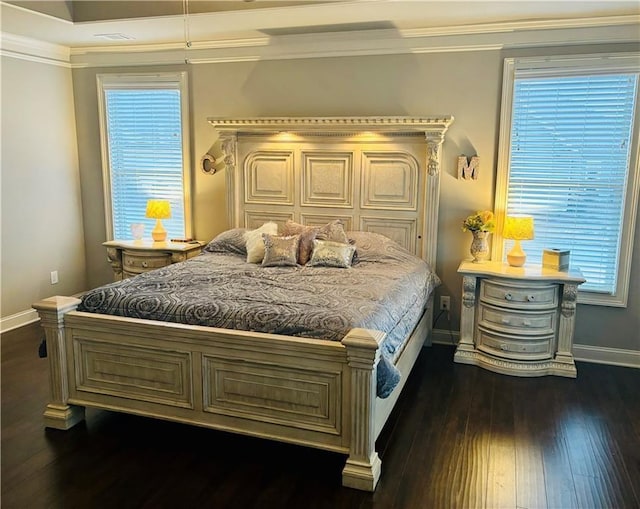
(54, 277)
(445, 303)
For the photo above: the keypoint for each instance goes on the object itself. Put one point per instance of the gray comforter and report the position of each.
(386, 289)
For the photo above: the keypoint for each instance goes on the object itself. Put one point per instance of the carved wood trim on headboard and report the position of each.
(338, 130)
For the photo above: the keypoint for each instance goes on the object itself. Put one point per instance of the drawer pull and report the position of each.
(506, 321)
(508, 296)
(504, 347)
(531, 298)
(526, 323)
(144, 264)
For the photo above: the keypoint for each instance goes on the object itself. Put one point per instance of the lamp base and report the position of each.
(516, 261)
(516, 257)
(159, 234)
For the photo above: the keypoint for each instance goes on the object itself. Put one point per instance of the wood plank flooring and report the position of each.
(460, 437)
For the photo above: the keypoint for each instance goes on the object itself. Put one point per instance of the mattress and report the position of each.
(385, 289)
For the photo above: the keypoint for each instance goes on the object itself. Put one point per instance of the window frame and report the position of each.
(566, 66)
(162, 80)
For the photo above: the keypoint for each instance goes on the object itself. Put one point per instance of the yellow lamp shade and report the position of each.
(517, 228)
(158, 209)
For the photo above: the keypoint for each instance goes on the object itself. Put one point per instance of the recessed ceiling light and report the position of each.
(115, 37)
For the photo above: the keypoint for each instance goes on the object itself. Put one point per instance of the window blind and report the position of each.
(569, 160)
(144, 132)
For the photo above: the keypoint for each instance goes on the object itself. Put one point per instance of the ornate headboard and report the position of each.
(379, 174)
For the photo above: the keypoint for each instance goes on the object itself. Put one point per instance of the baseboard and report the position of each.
(20, 319)
(445, 337)
(23, 318)
(603, 355)
(584, 353)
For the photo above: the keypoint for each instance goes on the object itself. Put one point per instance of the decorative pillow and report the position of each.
(331, 254)
(280, 251)
(333, 231)
(307, 236)
(229, 241)
(255, 243)
(373, 247)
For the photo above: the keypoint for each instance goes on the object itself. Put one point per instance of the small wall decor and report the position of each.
(208, 164)
(468, 168)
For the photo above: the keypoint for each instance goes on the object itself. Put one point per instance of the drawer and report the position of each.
(137, 262)
(513, 347)
(529, 296)
(515, 321)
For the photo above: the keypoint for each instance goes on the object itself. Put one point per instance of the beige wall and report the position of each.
(466, 85)
(42, 228)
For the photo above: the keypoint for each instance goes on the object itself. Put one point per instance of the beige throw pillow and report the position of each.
(333, 231)
(255, 242)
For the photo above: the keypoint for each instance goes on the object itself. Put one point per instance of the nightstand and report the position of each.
(518, 320)
(131, 257)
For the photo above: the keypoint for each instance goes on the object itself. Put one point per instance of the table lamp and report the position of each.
(517, 228)
(158, 209)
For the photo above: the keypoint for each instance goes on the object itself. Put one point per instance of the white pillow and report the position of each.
(255, 242)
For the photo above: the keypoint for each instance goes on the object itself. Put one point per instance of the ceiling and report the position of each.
(81, 24)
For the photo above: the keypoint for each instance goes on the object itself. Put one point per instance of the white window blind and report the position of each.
(568, 157)
(570, 148)
(143, 133)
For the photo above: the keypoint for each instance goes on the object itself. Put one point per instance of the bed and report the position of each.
(376, 176)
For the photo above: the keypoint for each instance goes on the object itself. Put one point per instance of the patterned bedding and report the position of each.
(385, 289)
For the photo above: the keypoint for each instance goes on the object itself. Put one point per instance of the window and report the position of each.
(144, 150)
(569, 157)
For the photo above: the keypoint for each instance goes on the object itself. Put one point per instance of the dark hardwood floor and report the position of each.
(460, 437)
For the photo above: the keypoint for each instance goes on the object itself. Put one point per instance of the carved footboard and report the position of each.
(310, 392)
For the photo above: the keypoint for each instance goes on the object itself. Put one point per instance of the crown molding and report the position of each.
(364, 43)
(480, 37)
(173, 46)
(519, 26)
(324, 125)
(33, 50)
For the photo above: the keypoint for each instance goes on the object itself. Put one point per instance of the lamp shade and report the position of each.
(518, 228)
(158, 209)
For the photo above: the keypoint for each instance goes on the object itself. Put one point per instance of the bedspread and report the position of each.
(386, 289)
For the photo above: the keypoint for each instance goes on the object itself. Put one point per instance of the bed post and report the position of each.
(58, 414)
(363, 466)
(229, 141)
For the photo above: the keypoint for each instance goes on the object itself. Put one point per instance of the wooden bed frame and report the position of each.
(378, 174)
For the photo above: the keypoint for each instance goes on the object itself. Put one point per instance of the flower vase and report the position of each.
(480, 246)
(137, 231)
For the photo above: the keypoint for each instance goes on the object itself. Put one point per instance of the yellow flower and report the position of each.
(486, 216)
(482, 220)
